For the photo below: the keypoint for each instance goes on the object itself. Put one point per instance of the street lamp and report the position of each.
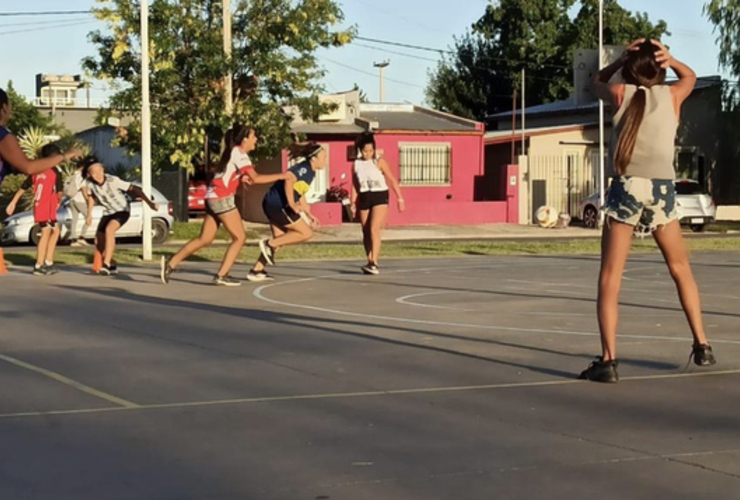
(382, 66)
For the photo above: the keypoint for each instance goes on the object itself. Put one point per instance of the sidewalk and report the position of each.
(351, 233)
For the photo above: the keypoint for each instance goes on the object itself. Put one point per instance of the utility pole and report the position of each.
(524, 103)
(382, 66)
(602, 186)
(146, 132)
(228, 84)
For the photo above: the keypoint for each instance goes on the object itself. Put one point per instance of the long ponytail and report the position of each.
(628, 134)
(233, 137)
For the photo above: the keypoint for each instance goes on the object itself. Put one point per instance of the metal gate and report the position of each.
(563, 181)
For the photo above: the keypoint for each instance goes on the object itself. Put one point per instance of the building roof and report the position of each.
(408, 117)
(569, 107)
(503, 136)
(328, 128)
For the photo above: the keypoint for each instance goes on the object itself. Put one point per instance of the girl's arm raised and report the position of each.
(683, 88)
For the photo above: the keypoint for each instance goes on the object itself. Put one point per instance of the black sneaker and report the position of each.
(114, 269)
(39, 270)
(165, 270)
(105, 270)
(601, 371)
(267, 251)
(702, 355)
(50, 269)
(256, 277)
(225, 281)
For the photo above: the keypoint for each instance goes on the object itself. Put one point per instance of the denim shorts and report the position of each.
(645, 204)
(218, 206)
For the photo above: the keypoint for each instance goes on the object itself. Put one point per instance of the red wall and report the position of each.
(453, 204)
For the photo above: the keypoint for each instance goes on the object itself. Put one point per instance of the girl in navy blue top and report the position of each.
(286, 208)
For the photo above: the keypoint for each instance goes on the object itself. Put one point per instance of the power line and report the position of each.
(405, 45)
(372, 74)
(62, 25)
(39, 23)
(442, 52)
(411, 56)
(45, 13)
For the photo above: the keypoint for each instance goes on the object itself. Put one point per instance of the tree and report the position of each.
(725, 15)
(273, 63)
(26, 116)
(539, 36)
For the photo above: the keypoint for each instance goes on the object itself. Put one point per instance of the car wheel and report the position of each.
(35, 235)
(590, 217)
(160, 232)
(698, 228)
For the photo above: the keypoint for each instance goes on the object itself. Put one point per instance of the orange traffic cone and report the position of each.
(3, 269)
(97, 261)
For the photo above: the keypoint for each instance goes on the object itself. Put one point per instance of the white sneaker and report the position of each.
(267, 252)
(256, 277)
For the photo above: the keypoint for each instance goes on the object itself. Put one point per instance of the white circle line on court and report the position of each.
(259, 294)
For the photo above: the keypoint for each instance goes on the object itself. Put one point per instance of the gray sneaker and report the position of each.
(225, 281)
(165, 270)
(52, 269)
(371, 269)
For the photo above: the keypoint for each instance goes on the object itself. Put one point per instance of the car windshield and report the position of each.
(689, 188)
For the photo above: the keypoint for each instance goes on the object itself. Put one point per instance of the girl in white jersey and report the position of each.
(371, 178)
(234, 168)
(642, 193)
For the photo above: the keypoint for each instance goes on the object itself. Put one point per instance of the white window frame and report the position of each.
(422, 145)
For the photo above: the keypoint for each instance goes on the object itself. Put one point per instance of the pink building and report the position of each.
(438, 159)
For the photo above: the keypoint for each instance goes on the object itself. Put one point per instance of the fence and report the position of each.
(562, 181)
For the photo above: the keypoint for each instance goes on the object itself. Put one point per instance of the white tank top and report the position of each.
(370, 176)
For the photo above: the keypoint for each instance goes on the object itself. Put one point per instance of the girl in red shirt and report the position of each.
(234, 168)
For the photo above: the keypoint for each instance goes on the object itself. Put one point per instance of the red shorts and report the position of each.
(45, 210)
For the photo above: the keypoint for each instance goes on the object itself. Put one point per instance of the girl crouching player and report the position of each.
(112, 193)
(286, 208)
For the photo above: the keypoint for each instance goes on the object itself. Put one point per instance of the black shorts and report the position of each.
(370, 199)
(279, 216)
(121, 217)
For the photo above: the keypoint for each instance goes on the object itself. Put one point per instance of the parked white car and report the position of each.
(21, 228)
(695, 207)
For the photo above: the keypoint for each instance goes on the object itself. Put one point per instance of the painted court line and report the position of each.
(360, 394)
(259, 294)
(69, 382)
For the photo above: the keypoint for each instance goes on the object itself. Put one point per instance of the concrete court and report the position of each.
(439, 379)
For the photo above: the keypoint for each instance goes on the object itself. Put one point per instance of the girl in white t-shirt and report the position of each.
(371, 178)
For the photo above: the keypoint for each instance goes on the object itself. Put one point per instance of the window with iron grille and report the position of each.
(425, 164)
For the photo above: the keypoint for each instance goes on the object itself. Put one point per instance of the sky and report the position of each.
(57, 44)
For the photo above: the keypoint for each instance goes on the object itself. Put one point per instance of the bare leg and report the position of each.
(367, 239)
(52, 245)
(378, 215)
(232, 221)
(616, 241)
(43, 244)
(261, 263)
(110, 241)
(676, 254)
(207, 234)
(298, 232)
